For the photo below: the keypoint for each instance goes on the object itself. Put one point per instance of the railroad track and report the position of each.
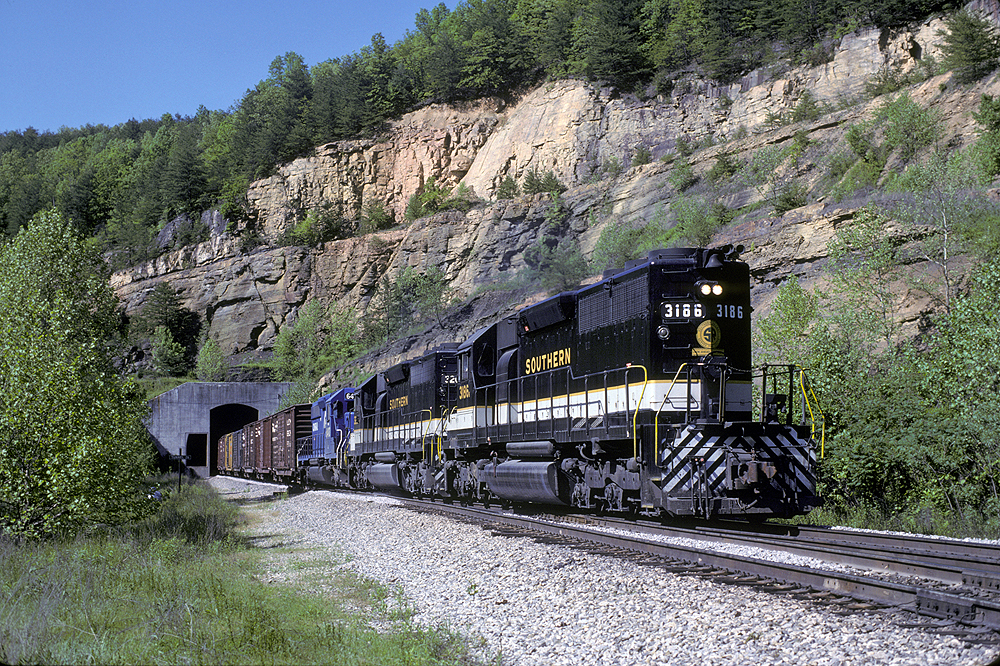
(940, 585)
(954, 563)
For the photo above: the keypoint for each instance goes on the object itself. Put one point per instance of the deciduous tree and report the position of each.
(73, 448)
(211, 365)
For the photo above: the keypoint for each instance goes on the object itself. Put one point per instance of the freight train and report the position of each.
(633, 395)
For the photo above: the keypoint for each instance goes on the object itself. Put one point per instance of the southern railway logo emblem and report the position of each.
(708, 335)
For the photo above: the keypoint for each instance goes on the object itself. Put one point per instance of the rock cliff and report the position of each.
(575, 129)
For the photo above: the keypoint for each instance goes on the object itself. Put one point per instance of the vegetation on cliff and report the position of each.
(125, 183)
(910, 421)
(912, 424)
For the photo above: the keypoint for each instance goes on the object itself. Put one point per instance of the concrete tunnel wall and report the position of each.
(189, 419)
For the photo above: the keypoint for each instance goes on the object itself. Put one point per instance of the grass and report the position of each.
(154, 386)
(920, 520)
(183, 588)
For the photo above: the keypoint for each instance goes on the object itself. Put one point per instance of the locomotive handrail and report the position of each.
(666, 396)
(445, 418)
(812, 417)
(423, 437)
(638, 406)
(807, 402)
(338, 449)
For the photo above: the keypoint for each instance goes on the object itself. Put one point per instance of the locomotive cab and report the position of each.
(323, 455)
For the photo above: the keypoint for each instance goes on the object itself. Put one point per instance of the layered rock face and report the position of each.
(574, 129)
(437, 141)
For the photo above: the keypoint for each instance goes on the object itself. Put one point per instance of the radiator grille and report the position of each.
(622, 302)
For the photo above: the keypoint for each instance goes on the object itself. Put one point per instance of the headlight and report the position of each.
(706, 288)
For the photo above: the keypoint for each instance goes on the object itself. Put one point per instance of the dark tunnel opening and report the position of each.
(224, 419)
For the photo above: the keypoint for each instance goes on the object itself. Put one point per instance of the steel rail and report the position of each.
(933, 603)
(911, 556)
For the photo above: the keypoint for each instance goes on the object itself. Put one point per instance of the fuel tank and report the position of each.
(519, 481)
(384, 476)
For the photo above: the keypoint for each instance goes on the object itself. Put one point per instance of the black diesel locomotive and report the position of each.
(634, 395)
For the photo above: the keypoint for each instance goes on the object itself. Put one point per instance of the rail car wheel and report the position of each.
(613, 495)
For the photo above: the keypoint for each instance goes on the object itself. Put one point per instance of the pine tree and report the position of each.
(971, 46)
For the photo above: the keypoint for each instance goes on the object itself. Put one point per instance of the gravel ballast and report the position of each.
(535, 603)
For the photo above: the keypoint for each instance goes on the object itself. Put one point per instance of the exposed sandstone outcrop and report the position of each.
(437, 141)
(242, 299)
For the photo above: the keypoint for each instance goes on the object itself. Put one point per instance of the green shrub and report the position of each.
(211, 365)
(461, 199)
(987, 148)
(616, 245)
(250, 240)
(556, 263)
(536, 183)
(861, 175)
(682, 176)
(169, 358)
(433, 198)
(414, 209)
(808, 108)
(725, 167)
(642, 156)
(775, 119)
(319, 226)
(611, 167)
(402, 302)
(840, 163)
(861, 139)
(697, 220)
(800, 142)
(375, 217)
(763, 170)
(884, 81)
(908, 126)
(426, 201)
(792, 195)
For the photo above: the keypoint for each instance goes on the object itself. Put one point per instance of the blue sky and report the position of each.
(70, 63)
